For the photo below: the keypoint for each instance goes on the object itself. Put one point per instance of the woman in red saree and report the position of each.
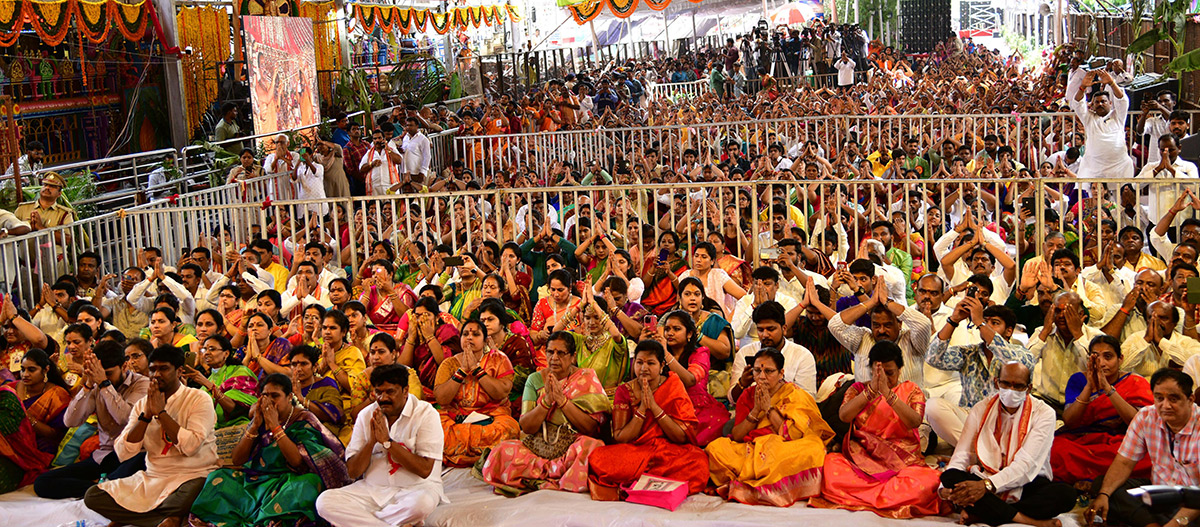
(880, 467)
(1101, 401)
(20, 459)
(44, 394)
(662, 276)
(472, 390)
(653, 428)
(430, 342)
(386, 300)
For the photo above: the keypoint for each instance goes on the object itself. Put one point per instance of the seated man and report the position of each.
(1131, 316)
(109, 390)
(1167, 433)
(1160, 345)
(764, 289)
(1066, 266)
(1061, 347)
(396, 447)
(1006, 478)
(175, 427)
(801, 370)
(978, 363)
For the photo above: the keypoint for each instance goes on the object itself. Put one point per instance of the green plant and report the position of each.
(223, 160)
(1169, 24)
(353, 92)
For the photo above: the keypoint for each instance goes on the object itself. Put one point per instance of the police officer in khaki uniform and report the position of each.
(46, 212)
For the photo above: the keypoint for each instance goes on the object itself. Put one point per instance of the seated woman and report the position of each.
(516, 283)
(230, 384)
(20, 336)
(383, 352)
(525, 361)
(20, 458)
(317, 394)
(716, 282)
(209, 323)
(653, 428)
(288, 459)
(361, 329)
(264, 353)
(473, 386)
(880, 467)
(44, 394)
(164, 329)
(493, 287)
(1101, 401)
(340, 360)
(557, 310)
(677, 334)
(777, 445)
(270, 302)
(561, 401)
(305, 329)
(464, 292)
(428, 343)
(660, 273)
(601, 346)
(384, 299)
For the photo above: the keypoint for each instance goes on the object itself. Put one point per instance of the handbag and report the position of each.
(553, 442)
(657, 492)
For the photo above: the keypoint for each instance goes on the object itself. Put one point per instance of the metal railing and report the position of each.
(745, 217)
(674, 91)
(1033, 137)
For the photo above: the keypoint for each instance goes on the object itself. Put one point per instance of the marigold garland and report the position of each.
(408, 20)
(326, 39)
(207, 31)
(585, 12)
(51, 19)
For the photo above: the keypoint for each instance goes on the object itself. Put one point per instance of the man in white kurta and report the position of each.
(174, 425)
(395, 440)
(415, 148)
(379, 165)
(1106, 153)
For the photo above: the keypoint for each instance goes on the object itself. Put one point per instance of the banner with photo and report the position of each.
(283, 73)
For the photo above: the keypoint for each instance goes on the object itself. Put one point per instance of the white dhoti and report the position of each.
(363, 504)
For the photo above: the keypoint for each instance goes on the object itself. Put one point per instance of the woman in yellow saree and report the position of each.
(880, 467)
(778, 441)
(472, 390)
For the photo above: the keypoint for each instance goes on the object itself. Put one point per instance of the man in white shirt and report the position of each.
(309, 178)
(764, 289)
(799, 366)
(892, 321)
(1069, 158)
(396, 447)
(307, 291)
(145, 293)
(1173, 171)
(380, 165)
(1005, 477)
(415, 149)
(778, 162)
(280, 161)
(1105, 153)
(1153, 122)
(845, 69)
(979, 255)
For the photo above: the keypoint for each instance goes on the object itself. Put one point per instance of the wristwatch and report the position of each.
(991, 487)
(387, 445)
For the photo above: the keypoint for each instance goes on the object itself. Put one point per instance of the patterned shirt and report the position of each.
(1174, 458)
(352, 155)
(976, 370)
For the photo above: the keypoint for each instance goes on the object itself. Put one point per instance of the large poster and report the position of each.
(283, 72)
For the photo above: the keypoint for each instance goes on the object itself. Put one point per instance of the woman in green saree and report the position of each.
(600, 345)
(230, 384)
(287, 459)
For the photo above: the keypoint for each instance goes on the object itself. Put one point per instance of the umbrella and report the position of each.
(795, 13)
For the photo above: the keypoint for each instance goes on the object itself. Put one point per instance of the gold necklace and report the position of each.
(594, 341)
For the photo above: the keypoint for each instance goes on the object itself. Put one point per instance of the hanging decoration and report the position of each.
(409, 20)
(586, 11)
(51, 19)
(325, 39)
(270, 7)
(206, 30)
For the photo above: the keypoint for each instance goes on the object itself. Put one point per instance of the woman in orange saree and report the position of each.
(654, 428)
(880, 467)
(20, 459)
(44, 394)
(472, 389)
(662, 276)
(778, 441)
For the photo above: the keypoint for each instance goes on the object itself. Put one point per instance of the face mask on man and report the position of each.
(1012, 398)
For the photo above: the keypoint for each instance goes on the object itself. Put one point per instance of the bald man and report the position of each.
(1007, 478)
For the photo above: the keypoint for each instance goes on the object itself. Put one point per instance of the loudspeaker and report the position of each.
(923, 24)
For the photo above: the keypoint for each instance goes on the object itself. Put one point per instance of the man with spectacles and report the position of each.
(108, 392)
(1004, 477)
(770, 319)
(1167, 432)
